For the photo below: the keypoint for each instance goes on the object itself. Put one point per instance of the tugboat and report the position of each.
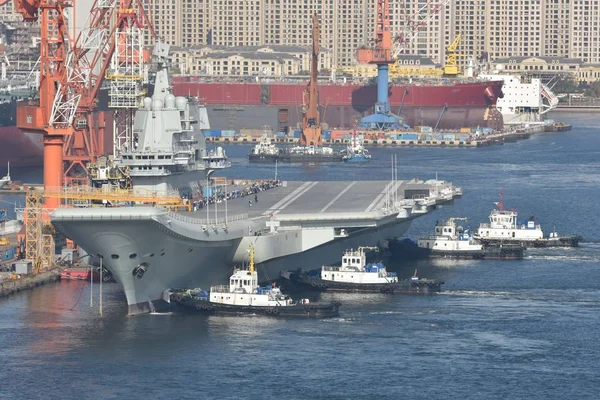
(311, 153)
(356, 152)
(453, 241)
(355, 275)
(243, 295)
(266, 152)
(503, 228)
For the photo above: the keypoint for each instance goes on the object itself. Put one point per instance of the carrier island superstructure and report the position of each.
(149, 250)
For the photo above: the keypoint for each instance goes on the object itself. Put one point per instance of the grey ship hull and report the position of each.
(178, 251)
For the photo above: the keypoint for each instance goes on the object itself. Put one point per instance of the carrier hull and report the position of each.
(290, 227)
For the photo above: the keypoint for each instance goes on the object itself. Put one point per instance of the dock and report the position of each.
(510, 135)
(9, 286)
(20, 188)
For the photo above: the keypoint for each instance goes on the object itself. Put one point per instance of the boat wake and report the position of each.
(587, 296)
(564, 257)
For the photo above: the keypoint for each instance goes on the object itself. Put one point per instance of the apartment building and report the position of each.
(276, 61)
(492, 28)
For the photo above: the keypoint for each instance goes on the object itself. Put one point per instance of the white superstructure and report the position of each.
(243, 290)
(503, 225)
(450, 237)
(265, 147)
(354, 269)
(169, 151)
(524, 100)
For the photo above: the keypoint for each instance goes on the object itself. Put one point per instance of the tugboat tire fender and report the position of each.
(313, 284)
(275, 312)
(199, 307)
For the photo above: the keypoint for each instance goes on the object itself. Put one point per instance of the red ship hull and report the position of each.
(280, 106)
(252, 105)
(20, 149)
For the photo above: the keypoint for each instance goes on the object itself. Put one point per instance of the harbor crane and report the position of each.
(311, 123)
(71, 74)
(386, 51)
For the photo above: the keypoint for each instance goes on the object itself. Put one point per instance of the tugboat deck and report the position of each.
(317, 197)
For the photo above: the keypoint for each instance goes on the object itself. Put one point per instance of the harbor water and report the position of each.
(499, 330)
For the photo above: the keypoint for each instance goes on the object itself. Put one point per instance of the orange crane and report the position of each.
(70, 83)
(311, 123)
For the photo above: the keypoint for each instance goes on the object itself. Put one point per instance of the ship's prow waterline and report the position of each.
(149, 250)
(449, 104)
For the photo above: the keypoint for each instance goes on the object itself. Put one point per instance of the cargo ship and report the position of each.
(235, 106)
(17, 148)
(280, 105)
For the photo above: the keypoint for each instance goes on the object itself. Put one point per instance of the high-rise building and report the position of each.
(498, 28)
(236, 22)
(289, 22)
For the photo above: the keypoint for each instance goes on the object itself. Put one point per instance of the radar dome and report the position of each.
(169, 101)
(147, 102)
(181, 103)
(157, 105)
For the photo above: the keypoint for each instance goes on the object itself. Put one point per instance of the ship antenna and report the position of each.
(251, 262)
(500, 204)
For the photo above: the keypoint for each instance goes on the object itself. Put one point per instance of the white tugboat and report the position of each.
(265, 151)
(504, 228)
(453, 241)
(355, 275)
(356, 152)
(244, 295)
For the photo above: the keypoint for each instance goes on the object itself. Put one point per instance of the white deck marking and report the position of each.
(337, 197)
(297, 196)
(392, 191)
(378, 198)
(286, 198)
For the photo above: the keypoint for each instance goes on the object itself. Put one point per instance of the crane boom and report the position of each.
(311, 123)
(415, 24)
(70, 81)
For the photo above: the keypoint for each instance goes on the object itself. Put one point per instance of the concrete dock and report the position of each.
(511, 135)
(9, 286)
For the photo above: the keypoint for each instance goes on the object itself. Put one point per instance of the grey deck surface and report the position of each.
(308, 197)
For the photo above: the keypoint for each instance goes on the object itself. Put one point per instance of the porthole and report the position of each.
(114, 256)
(190, 249)
(133, 255)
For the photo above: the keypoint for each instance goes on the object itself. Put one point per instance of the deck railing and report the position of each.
(200, 221)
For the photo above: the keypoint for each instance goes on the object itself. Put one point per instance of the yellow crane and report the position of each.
(451, 67)
(39, 240)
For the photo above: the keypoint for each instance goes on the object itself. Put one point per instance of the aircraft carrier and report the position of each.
(295, 224)
(298, 224)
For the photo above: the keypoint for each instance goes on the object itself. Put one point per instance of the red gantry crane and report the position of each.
(71, 74)
(311, 123)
